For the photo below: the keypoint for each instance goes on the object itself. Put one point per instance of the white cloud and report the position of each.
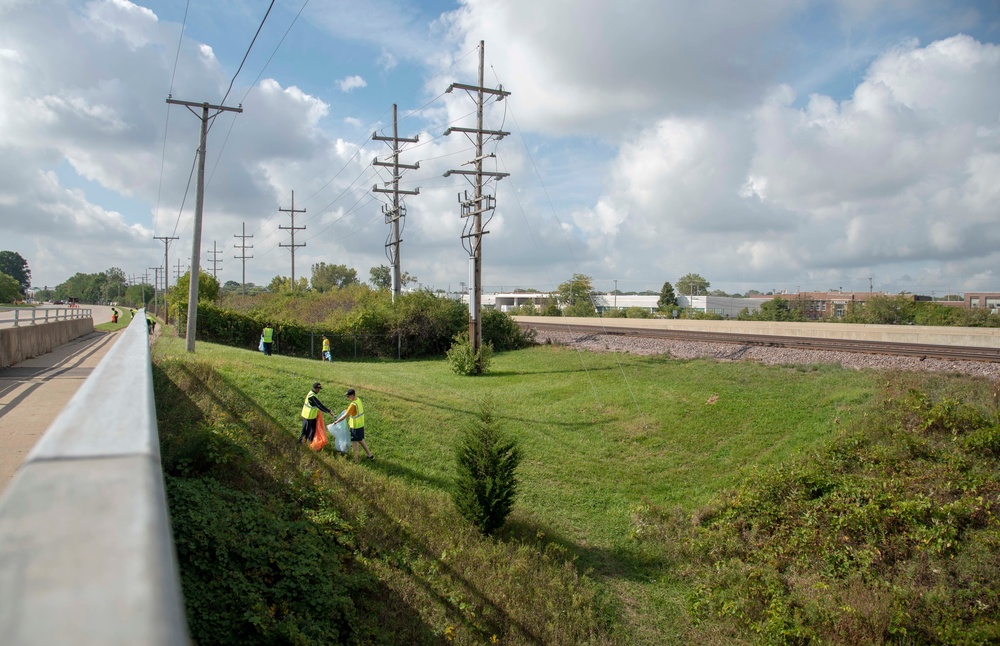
(351, 83)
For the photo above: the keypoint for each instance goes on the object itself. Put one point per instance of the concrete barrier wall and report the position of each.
(27, 341)
(86, 550)
(953, 336)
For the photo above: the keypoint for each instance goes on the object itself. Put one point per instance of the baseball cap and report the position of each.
(350, 391)
(317, 386)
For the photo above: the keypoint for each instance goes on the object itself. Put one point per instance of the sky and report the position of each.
(792, 145)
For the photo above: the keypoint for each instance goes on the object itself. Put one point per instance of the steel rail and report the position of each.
(920, 350)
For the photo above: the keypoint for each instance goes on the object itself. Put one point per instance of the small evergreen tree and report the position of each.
(667, 297)
(486, 482)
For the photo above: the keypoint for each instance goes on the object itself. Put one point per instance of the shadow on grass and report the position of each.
(394, 469)
(501, 619)
(618, 563)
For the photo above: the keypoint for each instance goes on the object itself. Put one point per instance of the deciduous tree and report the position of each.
(15, 266)
(692, 285)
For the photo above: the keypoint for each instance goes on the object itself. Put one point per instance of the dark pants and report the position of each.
(308, 430)
(267, 348)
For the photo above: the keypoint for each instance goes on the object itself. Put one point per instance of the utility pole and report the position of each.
(166, 272)
(397, 212)
(243, 248)
(192, 311)
(473, 208)
(292, 211)
(156, 284)
(215, 260)
(178, 274)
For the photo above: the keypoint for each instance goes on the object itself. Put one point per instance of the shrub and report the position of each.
(464, 361)
(503, 333)
(486, 479)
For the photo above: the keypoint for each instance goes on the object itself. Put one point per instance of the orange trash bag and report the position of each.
(319, 440)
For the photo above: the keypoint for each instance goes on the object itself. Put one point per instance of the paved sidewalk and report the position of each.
(34, 391)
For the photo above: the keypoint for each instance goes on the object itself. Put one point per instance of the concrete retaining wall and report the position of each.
(27, 341)
(953, 336)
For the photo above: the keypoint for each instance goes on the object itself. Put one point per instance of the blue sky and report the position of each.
(777, 144)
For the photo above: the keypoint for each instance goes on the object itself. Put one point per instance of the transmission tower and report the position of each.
(292, 211)
(243, 248)
(192, 311)
(394, 214)
(215, 260)
(473, 208)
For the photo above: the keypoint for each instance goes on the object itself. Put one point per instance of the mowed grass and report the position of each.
(604, 436)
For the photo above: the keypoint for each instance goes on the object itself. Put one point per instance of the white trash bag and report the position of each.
(340, 434)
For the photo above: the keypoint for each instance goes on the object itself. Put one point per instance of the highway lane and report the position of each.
(22, 315)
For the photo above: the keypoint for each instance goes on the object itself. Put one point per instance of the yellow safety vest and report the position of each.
(268, 334)
(357, 421)
(308, 410)
(326, 345)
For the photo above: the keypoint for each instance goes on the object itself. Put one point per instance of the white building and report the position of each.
(724, 306)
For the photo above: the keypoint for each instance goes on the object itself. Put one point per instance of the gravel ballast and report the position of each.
(782, 356)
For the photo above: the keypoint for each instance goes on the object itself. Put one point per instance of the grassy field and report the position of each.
(606, 438)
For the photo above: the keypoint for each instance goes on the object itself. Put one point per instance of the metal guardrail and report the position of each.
(86, 550)
(20, 315)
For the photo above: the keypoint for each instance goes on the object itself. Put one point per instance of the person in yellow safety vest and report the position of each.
(326, 349)
(310, 411)
(114, 315)
(268, 337)
(355, 415)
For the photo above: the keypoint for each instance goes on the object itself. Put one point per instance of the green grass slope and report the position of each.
(624, 457)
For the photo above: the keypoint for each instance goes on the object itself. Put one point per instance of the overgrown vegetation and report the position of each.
(359, 322)
(888, 535)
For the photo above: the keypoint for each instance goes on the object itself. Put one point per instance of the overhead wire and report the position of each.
(569, 248)
(166, 127)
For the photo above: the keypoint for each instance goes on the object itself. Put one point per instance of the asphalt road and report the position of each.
(100, 313)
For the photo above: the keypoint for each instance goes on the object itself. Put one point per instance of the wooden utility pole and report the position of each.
(474, 207)
(397, 212)
(292, 211)
(192, 312)
(156, 285)
(243, 248)
(166, 272)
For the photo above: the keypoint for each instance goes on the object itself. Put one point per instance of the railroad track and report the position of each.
(920, 350)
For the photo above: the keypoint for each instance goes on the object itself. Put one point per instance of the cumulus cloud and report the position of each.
(351, 83)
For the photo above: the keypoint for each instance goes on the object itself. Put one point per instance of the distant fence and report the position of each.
(86, 550)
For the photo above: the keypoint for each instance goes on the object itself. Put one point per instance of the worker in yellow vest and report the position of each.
(310, 411)
(355, 415)
(326, 349)
(268, 338)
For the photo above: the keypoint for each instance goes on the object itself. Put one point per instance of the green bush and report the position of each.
(418, 324)
(503, 333)
(258, 570)
(486, 474)
(464, 361)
